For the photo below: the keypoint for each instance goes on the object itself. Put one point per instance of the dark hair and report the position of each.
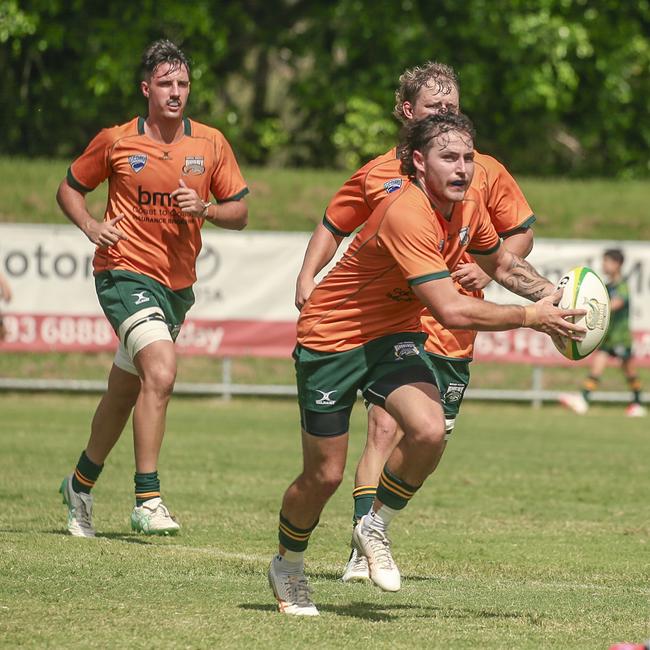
(615, 254)
(417, 135)
(162, 51)
(411, 81)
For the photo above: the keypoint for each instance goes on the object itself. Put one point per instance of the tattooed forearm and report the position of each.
(522, 278)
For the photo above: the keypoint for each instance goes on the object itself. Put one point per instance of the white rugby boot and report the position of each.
(636, 410)
(374, 544)
(290, 588)
(153, 518)
(80, 509)
(574, 401)
(356, 570)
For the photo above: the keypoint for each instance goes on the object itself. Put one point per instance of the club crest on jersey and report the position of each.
(454, 392)
(406, 349)
(194, 165)
(463, 236)
(393, 185)
(138, 161)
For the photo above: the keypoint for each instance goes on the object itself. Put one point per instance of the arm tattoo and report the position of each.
(522, 278)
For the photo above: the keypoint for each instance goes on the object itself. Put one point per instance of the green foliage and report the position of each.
(554, 86)
(366, 132)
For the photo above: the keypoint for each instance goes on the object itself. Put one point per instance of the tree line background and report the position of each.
(553, 86)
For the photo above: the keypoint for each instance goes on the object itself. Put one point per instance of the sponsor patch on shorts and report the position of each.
(454, 392)
(406, 349)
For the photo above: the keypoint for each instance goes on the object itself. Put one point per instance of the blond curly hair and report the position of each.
(414, 79)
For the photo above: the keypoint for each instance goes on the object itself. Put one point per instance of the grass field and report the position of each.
(295, 199)
(532, 534)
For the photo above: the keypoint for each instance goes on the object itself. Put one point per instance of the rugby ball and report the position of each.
(583, 289)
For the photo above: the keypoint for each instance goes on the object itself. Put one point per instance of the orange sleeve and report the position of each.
(412, 237)
(348, 209)
(227, 182)
(505, 201)
(362, 193)
(93, 166)
(485, 239)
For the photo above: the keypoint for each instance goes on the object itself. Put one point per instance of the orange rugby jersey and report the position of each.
(506, 205)
(404, 242)
(163, 242)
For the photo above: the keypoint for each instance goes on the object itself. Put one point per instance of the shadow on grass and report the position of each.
(388, 612)
(130, 538)
(365, 611)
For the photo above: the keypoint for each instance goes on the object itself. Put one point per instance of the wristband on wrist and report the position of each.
(206, 207)
(529, 316)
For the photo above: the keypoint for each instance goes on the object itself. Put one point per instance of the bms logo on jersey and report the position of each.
(393, 185)
(463, 236)
(406, 349)
(138, 161)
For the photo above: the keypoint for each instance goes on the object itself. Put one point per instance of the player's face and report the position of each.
(167, 91)
(610, 267)
(433, 100)
(447, 168)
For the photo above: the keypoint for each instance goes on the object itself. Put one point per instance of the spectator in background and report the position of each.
(617, 343)
(5, 296)
(161, 171)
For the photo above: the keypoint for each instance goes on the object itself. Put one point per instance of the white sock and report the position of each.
(379, 520)
(291, 561)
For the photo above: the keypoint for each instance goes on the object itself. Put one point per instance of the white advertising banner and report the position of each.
(244, 294)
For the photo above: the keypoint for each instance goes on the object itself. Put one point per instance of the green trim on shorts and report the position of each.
(328, 381)
(452, 378)
(124, 293)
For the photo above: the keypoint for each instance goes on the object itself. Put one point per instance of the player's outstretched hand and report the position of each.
(106, 233)
(544, 316)
(188, 200)
(471, 276)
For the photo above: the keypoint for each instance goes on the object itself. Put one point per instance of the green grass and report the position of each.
(532, 534)
(295, 199)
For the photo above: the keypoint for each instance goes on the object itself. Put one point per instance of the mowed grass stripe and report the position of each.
(532, 534)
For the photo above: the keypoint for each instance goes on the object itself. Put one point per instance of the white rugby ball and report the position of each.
(583, 289)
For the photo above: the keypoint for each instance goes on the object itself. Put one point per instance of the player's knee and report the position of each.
(323, 481)
(159, 378)
(382, 428)
(428, 433)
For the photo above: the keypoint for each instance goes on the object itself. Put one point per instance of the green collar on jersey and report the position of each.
(187, 126)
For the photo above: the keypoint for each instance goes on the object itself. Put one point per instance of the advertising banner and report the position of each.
(245, 293)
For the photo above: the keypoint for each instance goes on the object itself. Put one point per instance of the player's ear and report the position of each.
(418, 160)
(407, 109)
(144, 87)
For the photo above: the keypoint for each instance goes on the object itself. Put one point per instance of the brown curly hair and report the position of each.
(162, 51)
(414, 79)
(417, 135)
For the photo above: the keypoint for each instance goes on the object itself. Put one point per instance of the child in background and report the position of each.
(617, 342)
